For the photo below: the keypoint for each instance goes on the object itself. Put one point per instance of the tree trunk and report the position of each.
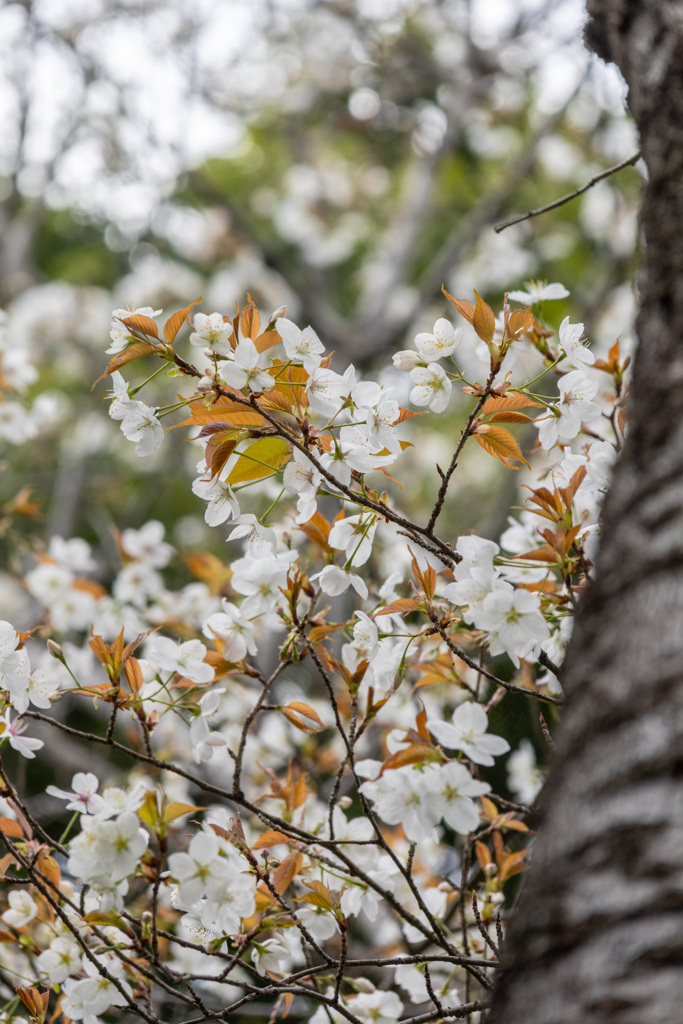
(598, 933)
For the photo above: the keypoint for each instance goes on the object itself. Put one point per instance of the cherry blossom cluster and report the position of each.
(309, 819)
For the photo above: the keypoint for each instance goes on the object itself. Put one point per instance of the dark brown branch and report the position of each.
(569, 196)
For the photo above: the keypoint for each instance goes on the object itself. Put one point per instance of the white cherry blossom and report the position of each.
(334, 581)
(467, 732)
(186, 659)
(301, 346)
(246, 368)
(212, 331)
(539, 291)
(442, 342)
(432, 387)
(22, 909)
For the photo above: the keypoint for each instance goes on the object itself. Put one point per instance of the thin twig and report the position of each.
(569, 196)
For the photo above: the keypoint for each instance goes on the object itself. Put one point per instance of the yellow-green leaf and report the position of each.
(176, 810)
(262, 458)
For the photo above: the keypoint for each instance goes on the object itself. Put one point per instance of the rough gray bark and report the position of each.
(598, 934)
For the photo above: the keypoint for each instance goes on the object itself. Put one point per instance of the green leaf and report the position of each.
(262, 458)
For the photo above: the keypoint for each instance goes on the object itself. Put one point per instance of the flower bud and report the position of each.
(406, 359)
(55, 650)
(205, 385)
(279, 312)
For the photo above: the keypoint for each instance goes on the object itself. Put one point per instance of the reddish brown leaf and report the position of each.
(175, 322)
(500, 443)
(484, 321)
(463, 307)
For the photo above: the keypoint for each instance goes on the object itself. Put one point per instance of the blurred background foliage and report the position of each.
(345, 159)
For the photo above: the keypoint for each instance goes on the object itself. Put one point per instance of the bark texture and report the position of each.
(598, 933)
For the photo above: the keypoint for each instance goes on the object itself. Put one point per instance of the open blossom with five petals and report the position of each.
(514, 622)
(576, 388)
(220, 499)
(539, 291)
(432, 387)
(140, 424)
(14, 730)
(233, 630)
(442, 342)
(200, 867)
(246, 369)
(453, 787)
(467, 732)
(186, 659)
(381, 421)
(354, 536)
(301, 346)
(327, 391)
(212, 331)
(403, 797)
(84, 797)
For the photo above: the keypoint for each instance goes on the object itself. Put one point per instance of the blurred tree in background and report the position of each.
(345, 159)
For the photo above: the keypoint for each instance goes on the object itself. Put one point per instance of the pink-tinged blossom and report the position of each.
(335, 580)
(432, 387)
(539, 291)
(84, 797)
(467, 732)
(246, 369)
(301, 346)
(13, 731)
(514, 622)
(187, 659)
(212, 331)
(442, 342)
